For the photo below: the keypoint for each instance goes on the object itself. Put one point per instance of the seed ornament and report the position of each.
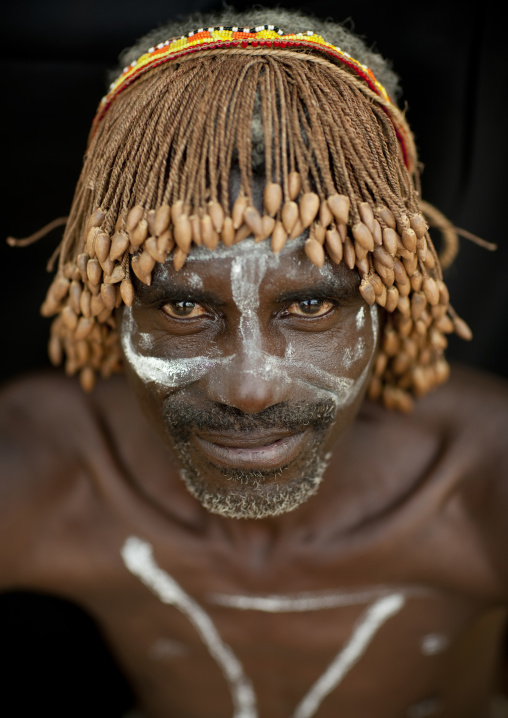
(339, 163)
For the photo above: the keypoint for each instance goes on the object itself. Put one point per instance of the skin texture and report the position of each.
(382, 593)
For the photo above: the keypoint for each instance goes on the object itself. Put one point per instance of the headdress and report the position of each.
(339, 161)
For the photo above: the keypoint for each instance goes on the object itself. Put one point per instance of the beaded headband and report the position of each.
(214, 38)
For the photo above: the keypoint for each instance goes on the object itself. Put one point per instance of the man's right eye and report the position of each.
(183, 310)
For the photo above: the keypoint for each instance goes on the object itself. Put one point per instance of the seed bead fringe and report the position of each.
(156, 181)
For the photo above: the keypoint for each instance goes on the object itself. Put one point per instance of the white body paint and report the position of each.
(250, 262)
(138, 558)
(434, 643)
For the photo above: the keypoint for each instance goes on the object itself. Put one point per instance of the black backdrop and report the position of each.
(54, 55)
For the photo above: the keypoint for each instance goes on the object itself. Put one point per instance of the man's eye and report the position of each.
(183, 309)
(310, 307)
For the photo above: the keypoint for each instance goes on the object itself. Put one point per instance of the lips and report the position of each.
(252, 450)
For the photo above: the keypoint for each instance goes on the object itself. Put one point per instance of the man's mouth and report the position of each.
(265, 451)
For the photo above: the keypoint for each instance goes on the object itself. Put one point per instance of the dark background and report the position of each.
(54, 55)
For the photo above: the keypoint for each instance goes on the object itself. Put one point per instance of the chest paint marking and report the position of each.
(138, 558)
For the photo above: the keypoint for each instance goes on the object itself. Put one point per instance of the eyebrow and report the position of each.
(323, 289)
(176, 292)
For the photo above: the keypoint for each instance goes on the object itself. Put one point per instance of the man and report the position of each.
(247, 241)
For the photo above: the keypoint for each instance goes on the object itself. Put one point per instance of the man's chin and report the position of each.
(253, 495)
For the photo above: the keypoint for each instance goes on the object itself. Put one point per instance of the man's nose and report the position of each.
(250, 381)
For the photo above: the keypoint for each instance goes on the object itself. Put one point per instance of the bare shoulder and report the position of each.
(45, 425)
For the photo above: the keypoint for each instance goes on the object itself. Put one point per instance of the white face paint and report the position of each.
(250, 262)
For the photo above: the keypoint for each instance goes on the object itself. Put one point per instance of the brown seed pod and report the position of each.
(146, 279)
(96, 304)
(421, 249)
(75, 295)
(444, 296)
(294, 185)
(242, 233)
(59, 288)
(386, 274)
(419, 225)
(390, 342)
(444, 324)
(119, 245)
(139, 234)
(68, 270)
(150, 220)
(367, 215)
(297, 230)
(97, 218)
(146, 262)
(418, 304)
(363, 236)
(102, 245)
(462, 329)
(362, 265)
(441, 370)
(90, 241)
(107, 266)
(217, 214)
(400, 363)
(360, 251)
(334, 245)
(290, 215)
(55, 351)
(104, 315)
(403, 253)
(83, 328)
(375, 388)
(314, 252)
(165, 243)
(108, 295)
(318, 232)
(342, 230)
(390, 241)
(404, 326)
(208, 234)
(399, 272)
(127, 291)
(380, 364)
(196, 229)
(410, 265)
(279, 237)
(325, 214)
(339, 205)
(151, 246)
(430, 260)
(404, 288)
(228, 232)
(87, 378)
(377, 234)
(239, 208)
(404, 305)
(349, 254)
(94, 271)
(385, 258)
(381, 298)
(367, 291)
(134, 217)
(408, 237)
(267, 224)
(309, 207)
(431, 290)
(84, 303)
(392, 299)
(162, 219)
(252, 219)
(116, 275)
(179, 257)
(69, 318)
(182, 233)
(439, 311)
(377, 283)
(386, 217)
(421, 328)
(273, 198)
(437, 339)
(177, 210)
(417, 281)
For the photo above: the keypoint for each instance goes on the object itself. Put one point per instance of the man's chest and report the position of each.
(393, 649)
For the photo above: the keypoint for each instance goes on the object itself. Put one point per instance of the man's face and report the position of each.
(250, 365)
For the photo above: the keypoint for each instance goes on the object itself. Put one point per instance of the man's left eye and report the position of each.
(310, 307)
(183, 309)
